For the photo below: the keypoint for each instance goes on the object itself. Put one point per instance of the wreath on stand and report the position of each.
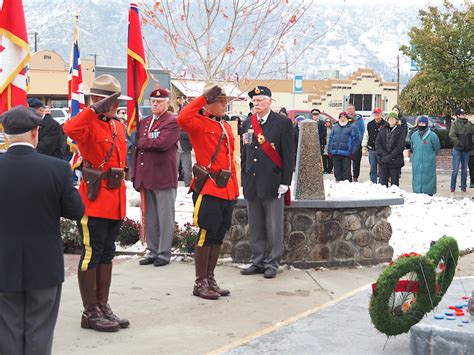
(412, 286)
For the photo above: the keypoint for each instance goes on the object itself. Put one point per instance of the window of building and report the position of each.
(361, 102)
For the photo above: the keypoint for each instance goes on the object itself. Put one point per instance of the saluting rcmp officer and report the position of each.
(155, 173)
(213, 205)
(267, 166)
(100, 137)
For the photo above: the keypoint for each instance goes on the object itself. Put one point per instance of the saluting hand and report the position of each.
(106, 105)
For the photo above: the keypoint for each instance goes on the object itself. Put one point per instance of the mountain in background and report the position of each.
(368, 34)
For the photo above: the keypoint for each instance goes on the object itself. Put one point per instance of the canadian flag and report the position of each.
(14, 54)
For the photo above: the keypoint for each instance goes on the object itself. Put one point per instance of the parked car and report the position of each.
(60, 115)
(145, 111)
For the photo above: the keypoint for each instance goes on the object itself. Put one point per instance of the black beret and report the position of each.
(260, 90)
(35, 103)
(19, 120)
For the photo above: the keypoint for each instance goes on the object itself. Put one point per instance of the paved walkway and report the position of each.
(167, 319)
(345, 328)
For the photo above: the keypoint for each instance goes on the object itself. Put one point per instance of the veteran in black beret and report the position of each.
(267, 158)
(36, 191)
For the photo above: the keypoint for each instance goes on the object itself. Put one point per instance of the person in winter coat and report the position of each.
(342, 148)
(425, 146)
(368, 143)
(389, 145)
(327, 161)
(358, 121)
(461, 136)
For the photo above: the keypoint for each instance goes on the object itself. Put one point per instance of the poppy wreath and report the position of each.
(444, 254)
(398, 304)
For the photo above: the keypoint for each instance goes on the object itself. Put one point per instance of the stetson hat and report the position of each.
(106, 85)
(211, 84)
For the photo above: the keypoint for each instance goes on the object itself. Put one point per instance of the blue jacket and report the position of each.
(344, 140)
(359, 123)
(423, 161)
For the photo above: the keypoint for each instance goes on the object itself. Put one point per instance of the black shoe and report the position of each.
(269, 273)
(252, 270)
(160, 262)
(147, 261)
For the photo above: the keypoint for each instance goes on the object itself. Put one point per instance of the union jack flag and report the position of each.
(75, 87)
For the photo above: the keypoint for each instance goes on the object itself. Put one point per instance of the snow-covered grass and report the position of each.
(415, 224)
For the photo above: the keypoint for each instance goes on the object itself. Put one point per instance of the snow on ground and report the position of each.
(415, 224)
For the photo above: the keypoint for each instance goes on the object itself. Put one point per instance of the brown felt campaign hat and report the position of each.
(106, 85)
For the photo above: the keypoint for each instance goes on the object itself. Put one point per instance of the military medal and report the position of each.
(261, 138)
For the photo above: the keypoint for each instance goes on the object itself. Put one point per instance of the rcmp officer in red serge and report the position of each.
(267, 158)
(214, 194)
(155, 173)
(101, 139)
(36, 191)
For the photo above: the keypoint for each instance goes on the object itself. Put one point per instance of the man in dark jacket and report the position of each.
(52, 140)
(36, 191)
(390, 144)
(155, 172)
(322, 130)
(368, 143)
(461, 136)
(183, 157)
(265, 182)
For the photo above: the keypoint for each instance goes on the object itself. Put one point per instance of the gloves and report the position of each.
(106, 104)
(282, 189)
(330, 155)
(212, 94)
(353, 157)
(365, 151)
(386, 159)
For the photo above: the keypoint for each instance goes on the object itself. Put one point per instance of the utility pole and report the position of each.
(398, 77)
(36, 39)
(95, 58)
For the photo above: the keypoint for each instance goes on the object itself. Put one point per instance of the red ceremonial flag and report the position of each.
(14, 55)
(137, 76)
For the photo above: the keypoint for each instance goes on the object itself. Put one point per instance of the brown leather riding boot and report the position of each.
(213, 258)
(201, 285)
(92, 316)
(104, 279)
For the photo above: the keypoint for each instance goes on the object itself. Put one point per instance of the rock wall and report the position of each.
(321, 237)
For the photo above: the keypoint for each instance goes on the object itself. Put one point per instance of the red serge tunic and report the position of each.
(94, 137)
(204, 134)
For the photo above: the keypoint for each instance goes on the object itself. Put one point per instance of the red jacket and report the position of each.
(204, 134)
(154, 161)
(94, 137)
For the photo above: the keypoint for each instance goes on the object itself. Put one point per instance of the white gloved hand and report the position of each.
(282, 189)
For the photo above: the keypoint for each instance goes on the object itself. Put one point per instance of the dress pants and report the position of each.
(266, 231)
(185, 159)
(159, 225)
(356, 163)
(27, 321)
(98, 241)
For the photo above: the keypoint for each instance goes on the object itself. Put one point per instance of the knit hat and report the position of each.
(423, 119)
(393, 115)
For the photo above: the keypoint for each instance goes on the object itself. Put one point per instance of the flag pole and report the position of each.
(135, 99)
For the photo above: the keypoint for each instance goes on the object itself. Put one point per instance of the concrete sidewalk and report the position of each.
(166, 318)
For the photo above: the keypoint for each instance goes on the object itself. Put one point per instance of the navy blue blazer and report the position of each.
(35, 191)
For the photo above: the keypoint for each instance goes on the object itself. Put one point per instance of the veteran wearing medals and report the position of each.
(100, 137)
(155, 175)
(214, 184)
(267, 158)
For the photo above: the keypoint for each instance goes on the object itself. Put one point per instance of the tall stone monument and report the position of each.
(309, 183)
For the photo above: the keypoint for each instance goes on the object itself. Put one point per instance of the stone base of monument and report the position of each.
(443, 336)
(326, 233)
